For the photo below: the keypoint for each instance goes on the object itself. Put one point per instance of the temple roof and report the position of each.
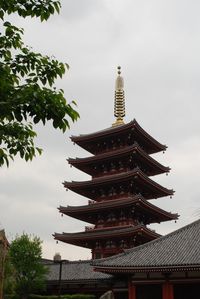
(80, 238)
(152, 144)
(177, 250)
(86, 212)
(86, 164)
(74, 271)
(85, 187)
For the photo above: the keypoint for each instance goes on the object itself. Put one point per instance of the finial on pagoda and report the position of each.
(119, 107)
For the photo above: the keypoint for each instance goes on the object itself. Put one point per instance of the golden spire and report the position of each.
(119, 109)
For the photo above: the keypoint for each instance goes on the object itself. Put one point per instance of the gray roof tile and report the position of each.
(74, 271)
(179, 248)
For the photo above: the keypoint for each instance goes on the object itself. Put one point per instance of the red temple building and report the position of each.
(121, 186)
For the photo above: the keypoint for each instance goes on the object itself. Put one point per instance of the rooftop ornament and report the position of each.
(119, 105)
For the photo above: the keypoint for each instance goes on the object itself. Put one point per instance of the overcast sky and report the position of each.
(157, 44)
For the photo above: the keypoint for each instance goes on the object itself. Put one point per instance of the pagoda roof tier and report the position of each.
(90, 142)
(135, 181)
(87, 238)
(88, 213)
(91, 165)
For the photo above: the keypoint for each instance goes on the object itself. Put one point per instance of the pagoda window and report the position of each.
(130, 188)
(115, 144)
(100, 219)
(97, 255)
(123, 244)
(108, 244)
(112, 244)
(134, 240)
(103, 167)
(104, 145)
(102, 193)
(99, 148)
(121, 190)
(130, 139)
(111, 217)
(130, 163)
(140, 221)
(120, 165)
(97, 245)
(118, 142)
(112, 166)
(111, 191)
(137, 222)
(114, 191)
(122, 216)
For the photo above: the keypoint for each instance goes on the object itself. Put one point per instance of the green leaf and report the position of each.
(27, 85)
(57, 6)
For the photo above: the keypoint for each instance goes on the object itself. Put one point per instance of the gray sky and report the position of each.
(157, 43)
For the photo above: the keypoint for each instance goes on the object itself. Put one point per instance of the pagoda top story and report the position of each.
(131, 129)
(99, 141)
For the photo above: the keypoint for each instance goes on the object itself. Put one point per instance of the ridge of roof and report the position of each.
(111, 128)
(75, 271)
(118, 129)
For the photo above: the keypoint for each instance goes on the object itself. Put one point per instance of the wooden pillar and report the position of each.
(131, 290)
(167, 290)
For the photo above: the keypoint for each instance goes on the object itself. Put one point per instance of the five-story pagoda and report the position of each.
(120, 188)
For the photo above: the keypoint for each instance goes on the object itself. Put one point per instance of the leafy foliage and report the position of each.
(27, 91)
(9, 277)
(25, 254)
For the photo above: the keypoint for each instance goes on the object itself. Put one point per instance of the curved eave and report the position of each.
(84, 140)
(147, 269)
(86, 164)
(138, 175)
(80, 238)
(85, 212)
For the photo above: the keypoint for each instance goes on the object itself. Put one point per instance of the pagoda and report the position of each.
(121, 187)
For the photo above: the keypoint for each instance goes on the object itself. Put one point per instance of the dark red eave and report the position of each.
(84, 212)
(86, 139)
(121, 269)
(80, 238)
(85, 164)
(136, 174)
